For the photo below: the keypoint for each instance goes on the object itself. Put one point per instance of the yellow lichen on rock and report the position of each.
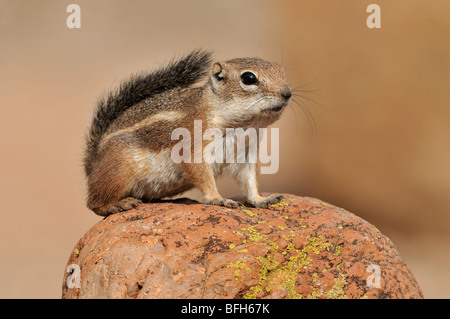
(282, 268)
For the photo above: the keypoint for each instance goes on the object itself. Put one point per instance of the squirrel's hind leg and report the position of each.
(119, 206)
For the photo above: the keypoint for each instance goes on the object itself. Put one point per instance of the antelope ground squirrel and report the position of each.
(128, 150)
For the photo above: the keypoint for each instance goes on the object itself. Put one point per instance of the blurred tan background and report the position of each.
(380, 149)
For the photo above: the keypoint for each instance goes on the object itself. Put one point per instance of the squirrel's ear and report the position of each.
(218, 72)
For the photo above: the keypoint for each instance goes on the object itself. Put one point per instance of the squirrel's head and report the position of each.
(249, 90)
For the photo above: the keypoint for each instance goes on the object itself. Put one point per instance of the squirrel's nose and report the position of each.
(286, 92)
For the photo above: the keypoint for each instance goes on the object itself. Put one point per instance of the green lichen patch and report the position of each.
(250, 213)
(337, 291)
(337, 250)
(255, 236)
(238, 265)
(281, 203)
(281, 268)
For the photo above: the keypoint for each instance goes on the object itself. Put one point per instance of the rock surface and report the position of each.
(299, 248)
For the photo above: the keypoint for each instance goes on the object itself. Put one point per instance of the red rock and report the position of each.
(299, 248)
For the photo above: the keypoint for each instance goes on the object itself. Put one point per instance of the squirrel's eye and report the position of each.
(248, 78)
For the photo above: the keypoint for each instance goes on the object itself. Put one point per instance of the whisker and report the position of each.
(307, 113)
(309, 83)
(308, 91)
(302, 94)
(296, 123)
(307, 98)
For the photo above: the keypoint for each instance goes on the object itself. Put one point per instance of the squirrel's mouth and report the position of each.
(276, 109)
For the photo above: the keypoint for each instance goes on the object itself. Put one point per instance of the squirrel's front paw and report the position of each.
(224, 202)
(266, 201)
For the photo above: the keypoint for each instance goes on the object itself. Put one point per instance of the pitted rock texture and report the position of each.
(299, 248)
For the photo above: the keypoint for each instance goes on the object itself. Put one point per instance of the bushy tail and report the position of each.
(177, 74)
